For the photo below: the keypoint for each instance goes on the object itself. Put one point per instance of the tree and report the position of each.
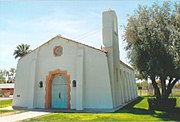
(21, 50)
(10, 75)
(7, 76)
(153, 44)
(2, 76)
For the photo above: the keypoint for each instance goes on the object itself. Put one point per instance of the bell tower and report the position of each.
(110, 34)
(111, 45)
(110, 28)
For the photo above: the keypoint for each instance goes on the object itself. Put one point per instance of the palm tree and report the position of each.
(21, 50)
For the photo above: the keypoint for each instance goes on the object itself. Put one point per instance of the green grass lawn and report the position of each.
(136, 111)
(10, 112)
(5, 103)
(5, 111)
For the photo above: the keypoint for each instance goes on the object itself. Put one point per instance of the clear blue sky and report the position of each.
(35, 22)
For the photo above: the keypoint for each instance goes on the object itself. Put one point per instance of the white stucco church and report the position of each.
(65, 74)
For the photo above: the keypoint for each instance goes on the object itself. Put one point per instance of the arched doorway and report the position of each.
(57, 90)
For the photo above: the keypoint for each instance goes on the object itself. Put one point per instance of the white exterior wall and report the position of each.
(128, 79)
(79, 78)
(97, 89)
(93, 86)
(24, 85)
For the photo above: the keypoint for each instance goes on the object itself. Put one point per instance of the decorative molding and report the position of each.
(48, 88)
(55, 50)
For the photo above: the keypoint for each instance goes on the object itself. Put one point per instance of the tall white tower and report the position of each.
(111, 45)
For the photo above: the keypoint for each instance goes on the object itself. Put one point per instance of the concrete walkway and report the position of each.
(22, 116)
(7, 108)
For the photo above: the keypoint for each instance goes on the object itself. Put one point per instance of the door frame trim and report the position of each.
(48, 88)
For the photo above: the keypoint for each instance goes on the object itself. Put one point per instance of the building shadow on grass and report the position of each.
(173, 115)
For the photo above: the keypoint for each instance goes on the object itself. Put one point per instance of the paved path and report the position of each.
(7, 108)
(22, 116)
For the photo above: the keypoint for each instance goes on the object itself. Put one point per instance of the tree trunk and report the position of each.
(163, 86)
(156, 89)
(170, 87)
(162, 102)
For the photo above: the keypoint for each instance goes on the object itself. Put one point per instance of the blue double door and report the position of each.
(59, 92)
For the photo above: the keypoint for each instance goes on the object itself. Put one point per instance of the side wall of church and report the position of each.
(125, 85)
(125, 88)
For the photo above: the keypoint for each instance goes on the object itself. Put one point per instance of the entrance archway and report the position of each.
(48, 89)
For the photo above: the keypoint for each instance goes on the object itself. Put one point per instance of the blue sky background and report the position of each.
(35, 22)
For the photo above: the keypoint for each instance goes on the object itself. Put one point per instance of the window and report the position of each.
(58, 50)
